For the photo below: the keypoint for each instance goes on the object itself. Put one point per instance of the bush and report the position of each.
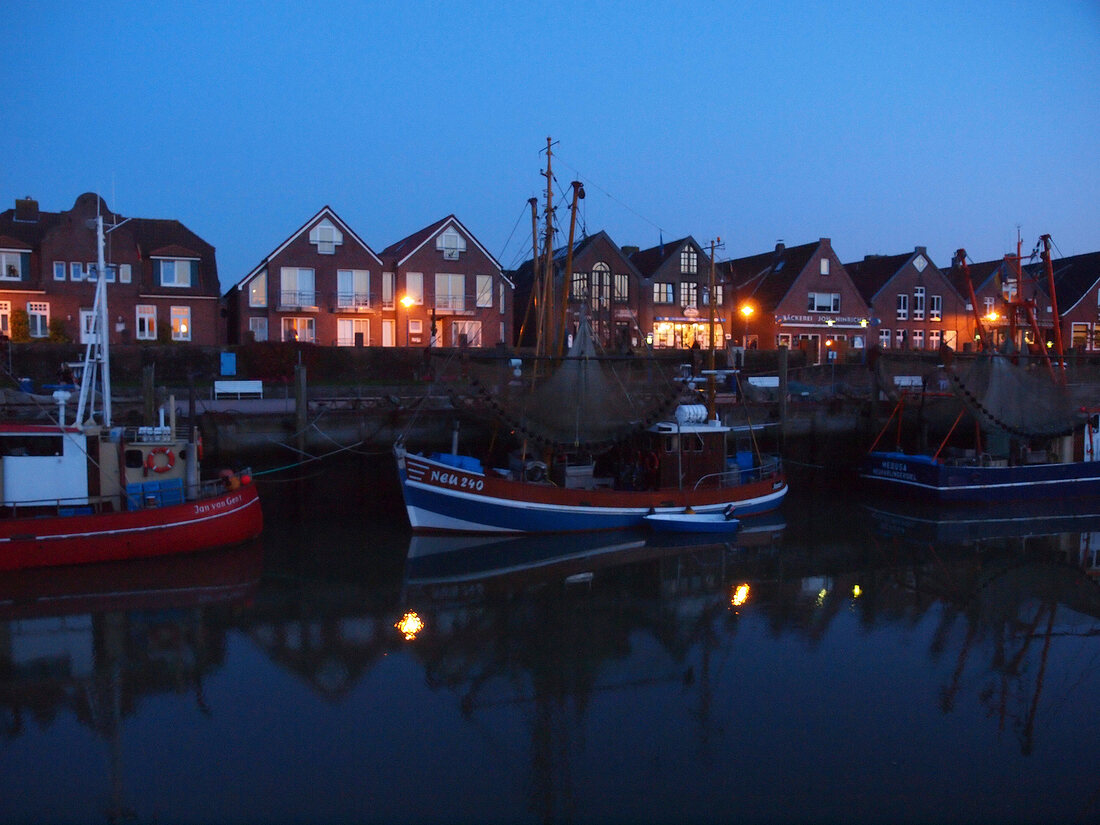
(58, 335)
(20, 326)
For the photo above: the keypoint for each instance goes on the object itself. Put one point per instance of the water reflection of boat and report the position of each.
(139, 584)
(928, 523)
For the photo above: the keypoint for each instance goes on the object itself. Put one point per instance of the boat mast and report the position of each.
(97, 364)
(542, 343)
(711, 388)
(1056, 318)
(578, 194)
(960, 257)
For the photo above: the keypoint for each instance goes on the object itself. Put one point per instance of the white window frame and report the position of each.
(414, 287)
(11, 258)
(298, 328)
(917, 339)
(935, 336)
(60, 270)
(663, 292)
(450, 291)
(124, 273)
(180, 269)
(181, 323)
(257, 325)
(387, 291)
(824, 267)
(470, 328)
(5, 317)
(689, 294)
(352, 288)
(451, 244)
(823, 302)
(39, 310)
(918, 303)
(76, 271)
(885, 338)
(326, 237)
(145, 322)
(902, 306)
(935, 308)
(87, 327)
(297, 286)
(689, 261)
(346, 329)
(484, 291)
(257, 290)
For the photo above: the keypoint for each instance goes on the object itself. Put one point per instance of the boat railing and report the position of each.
(75, 506)
(737, 476)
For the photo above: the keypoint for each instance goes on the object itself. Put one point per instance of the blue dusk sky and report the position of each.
(880, 125)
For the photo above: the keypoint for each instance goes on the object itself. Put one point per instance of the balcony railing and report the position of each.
(353, 300)
(299, 298)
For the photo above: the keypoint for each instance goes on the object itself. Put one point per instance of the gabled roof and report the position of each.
(768, 277)
(148, 233)
(1074, 278)
(325, 212)
(874, 272)
(648, 261)
(410, 245)
(522, 274)
(980, 275)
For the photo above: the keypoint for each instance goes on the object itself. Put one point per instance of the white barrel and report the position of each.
(691, 414)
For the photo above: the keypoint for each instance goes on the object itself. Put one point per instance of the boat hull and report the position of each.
(444, 498)
(924, 479)
(693, 523)
(216, 521)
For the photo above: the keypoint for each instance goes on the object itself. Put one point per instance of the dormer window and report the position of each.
(326, 237)
(451, 244)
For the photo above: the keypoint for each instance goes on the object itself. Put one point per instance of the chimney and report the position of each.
(779, 245)
(630, 250)
(26, 209)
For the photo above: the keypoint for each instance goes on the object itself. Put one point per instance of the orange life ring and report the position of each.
(151, 462)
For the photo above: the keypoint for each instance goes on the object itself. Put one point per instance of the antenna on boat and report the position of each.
(97, 364)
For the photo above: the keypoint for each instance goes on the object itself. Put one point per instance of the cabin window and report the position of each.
(689, 261)
(326, 237)
(31, 445)
(134, 459)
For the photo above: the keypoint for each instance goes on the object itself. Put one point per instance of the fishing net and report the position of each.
(1020, 398)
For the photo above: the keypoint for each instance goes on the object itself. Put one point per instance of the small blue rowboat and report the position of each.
(689, 521)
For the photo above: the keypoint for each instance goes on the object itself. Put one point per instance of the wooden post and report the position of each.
(301, 405)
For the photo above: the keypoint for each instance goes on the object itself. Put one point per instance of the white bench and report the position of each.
(238, 389)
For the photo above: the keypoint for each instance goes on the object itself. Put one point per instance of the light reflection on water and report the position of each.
(834, 664)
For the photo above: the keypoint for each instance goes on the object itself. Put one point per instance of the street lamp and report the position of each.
(746, 311)
(407, 302)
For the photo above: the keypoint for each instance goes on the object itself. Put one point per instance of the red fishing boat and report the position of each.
(81, 491)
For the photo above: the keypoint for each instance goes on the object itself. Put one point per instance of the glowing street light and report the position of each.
(407, 302)
(746, 311)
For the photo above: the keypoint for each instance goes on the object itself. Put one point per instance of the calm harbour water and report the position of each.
(834, 664)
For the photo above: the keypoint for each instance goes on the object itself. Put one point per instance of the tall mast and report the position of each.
(546, 316)
(578, 194)
(711, 388)
(97, 364)
(1058, 345)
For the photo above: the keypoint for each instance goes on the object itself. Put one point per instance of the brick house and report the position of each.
(322, 285)
(913, 303)
(441, 287)
(800, 297)
(676, 312)
(163, 278)
(1077, 281)
(604, 283)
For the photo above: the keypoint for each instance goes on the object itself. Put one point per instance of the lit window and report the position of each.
(935, 308)
(689, 261)
(258, 328)
(296, 287)
(181, 323)
(622, 289)
(352, 288)
(918, 303)
(484, 290)
(298, 329)
(11, 266)
(257, 290)
(450, 291)
(689, 294)
(414, 287)
(662, 293)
